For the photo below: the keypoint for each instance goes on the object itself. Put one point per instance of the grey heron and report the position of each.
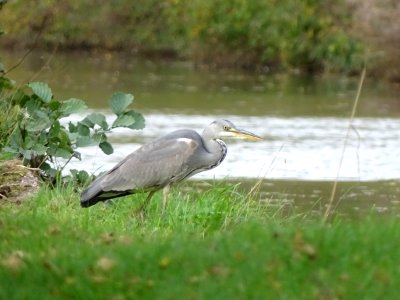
(164, 161)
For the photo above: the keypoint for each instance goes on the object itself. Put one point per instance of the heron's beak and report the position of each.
(244, 134)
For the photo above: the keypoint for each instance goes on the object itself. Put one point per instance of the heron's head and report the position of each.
(221, 128)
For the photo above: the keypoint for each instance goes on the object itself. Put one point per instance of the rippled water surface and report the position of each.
(303, 121)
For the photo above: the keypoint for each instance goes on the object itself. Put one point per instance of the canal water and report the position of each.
(303, 121)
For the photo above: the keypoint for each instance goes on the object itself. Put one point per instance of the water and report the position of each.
(303, 120)
(296, 148)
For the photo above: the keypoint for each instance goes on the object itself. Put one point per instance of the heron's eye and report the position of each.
(226, 128)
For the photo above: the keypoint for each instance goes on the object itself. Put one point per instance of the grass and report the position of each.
(216, 244)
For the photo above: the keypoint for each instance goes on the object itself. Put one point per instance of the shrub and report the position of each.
(40, 139)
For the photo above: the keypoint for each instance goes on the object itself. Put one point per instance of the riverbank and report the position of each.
(264, 36)
(218, 244)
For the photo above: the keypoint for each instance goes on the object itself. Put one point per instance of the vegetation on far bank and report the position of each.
(218, 244)
(307, 35)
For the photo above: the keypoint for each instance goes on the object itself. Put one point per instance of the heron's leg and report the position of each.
(143, 207)
(164, 200)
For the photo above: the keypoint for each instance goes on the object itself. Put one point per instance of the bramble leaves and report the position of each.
(40, 139)
(72, 106)
(124, 120)
(120, 101)
(97, 118)
(42, 90)
(139, 120)
(106, 147)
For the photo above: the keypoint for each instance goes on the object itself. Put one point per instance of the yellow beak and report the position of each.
(245, 134)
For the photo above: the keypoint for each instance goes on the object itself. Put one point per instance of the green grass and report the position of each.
(217, 244)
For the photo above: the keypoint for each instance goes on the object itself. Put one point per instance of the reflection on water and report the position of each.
(179, 88)
(303, 121)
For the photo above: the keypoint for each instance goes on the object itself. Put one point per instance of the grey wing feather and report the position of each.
(152, 166)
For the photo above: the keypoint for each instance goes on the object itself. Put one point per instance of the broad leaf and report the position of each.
(87, 122)
(85, 141)
(29, 142)
(139, 120)
(42, 90)
(120, 101)
(15, 139)
(38, 122)
(99, 137)
(83, 129)
(72, 127)
(27, 154)
(39, 149)
(54, 105)
(33, 105)
(63, 153)
(124, 120)
(72, 106)
(64, 139)
(106, 147)
(98, 119)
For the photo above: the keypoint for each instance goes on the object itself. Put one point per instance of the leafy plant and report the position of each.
(41, 139)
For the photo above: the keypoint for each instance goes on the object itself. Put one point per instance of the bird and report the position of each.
(164, 162)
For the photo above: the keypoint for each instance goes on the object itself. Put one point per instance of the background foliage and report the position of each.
(307, 34)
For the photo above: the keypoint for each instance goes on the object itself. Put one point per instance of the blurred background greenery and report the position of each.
(302, 35)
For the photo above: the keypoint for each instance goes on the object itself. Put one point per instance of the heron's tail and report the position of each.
(90, 196)
(94, 193)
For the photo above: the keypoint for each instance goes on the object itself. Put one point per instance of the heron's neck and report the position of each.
(217, 149)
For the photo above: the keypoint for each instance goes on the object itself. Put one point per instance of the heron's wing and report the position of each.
(153, 165)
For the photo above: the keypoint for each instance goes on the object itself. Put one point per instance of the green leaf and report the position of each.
(64, 139)
(21, 98)
(33, 105)
(15, 139)
(42, 90)
(83, 129)
(98, 119)
(54, 105)
(120, 101)
(72, 127)
(54, 131)
(99, 137)
(106, 147)
(123, 120)
(87, 122)
(139, 120)
(48, 169)
(39, 149)
(28, 142)
(73, 136)
(72, 106)
(37, 122)
(85, 141)
(63, 153)
(27, 154)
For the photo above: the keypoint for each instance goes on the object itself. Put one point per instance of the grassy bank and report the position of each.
(308, 35)
(219, 244)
